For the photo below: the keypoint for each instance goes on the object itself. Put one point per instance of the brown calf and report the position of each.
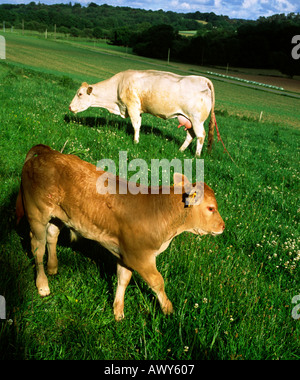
(59, 189)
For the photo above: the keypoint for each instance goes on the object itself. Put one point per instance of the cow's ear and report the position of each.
(89, 90)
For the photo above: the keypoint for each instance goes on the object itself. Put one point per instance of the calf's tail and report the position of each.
(211, 128)
(36, 150)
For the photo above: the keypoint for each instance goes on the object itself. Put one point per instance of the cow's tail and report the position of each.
(211, 128)
(36, 150)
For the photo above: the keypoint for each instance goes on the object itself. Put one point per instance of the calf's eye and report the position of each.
(211, 209)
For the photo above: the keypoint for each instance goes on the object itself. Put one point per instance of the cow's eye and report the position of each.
(211, 209)
(80, 94)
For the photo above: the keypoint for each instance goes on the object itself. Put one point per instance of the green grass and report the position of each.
(232, 294)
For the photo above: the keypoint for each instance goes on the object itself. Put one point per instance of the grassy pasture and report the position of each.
(232, 294)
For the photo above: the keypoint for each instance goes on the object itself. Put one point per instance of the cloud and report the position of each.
(249, 3)
(285, 6)
(185, 6)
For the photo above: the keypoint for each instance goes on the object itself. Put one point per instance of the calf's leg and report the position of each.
(155, 280)
(38, 246)
(124, 275)
(52, 236)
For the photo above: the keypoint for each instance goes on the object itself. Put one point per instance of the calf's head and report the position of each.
(83, 99)
(204, 217)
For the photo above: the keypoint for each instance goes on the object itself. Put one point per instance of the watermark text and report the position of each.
(141, 175)
(296, 309)
(2, 48)
(2, 308)
(296, 49)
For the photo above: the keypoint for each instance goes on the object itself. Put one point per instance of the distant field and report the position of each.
(188, 33)
(232, 294)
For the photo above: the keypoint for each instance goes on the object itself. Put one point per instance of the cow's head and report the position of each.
(83, 99)
(204, 217)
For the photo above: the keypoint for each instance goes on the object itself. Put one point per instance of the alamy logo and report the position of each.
(2, 308)
(138, 182)
(296, 309)
(296, 49)
(2, 48)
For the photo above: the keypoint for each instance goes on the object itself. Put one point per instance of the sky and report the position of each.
(246, 9)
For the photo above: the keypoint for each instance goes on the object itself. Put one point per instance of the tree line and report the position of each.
(218, 40)
(263, 44)
(99, 20)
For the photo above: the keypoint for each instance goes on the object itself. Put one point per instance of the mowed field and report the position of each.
(232, 294)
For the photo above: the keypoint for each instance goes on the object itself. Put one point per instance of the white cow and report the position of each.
(162, 94)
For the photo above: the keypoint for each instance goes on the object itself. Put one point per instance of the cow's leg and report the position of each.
(155, 280)
(38, 247)
(124, 276)
(200, 134)
(188, 140)
(136, 121)
(52, 236)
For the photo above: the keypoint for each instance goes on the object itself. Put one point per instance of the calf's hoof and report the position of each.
(168, 308)
(44, 291)
(52, 271)
(43, 287)
(119, 316)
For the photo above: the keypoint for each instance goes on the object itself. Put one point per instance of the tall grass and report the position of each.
(232, 294)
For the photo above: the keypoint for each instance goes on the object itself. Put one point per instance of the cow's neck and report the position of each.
(105, 94)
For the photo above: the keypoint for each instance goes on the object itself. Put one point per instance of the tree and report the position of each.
(122, 36)
(155, 41)
(74, 32)
(98, 32)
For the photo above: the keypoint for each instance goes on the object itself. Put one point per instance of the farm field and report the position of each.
(232, 294)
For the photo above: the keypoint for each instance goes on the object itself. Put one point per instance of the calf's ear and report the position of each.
(89, 90)
(181, 183)
(192, 195)
(195, 195)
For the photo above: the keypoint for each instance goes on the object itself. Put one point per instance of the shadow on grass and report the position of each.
(124, 125)
(13, 272)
